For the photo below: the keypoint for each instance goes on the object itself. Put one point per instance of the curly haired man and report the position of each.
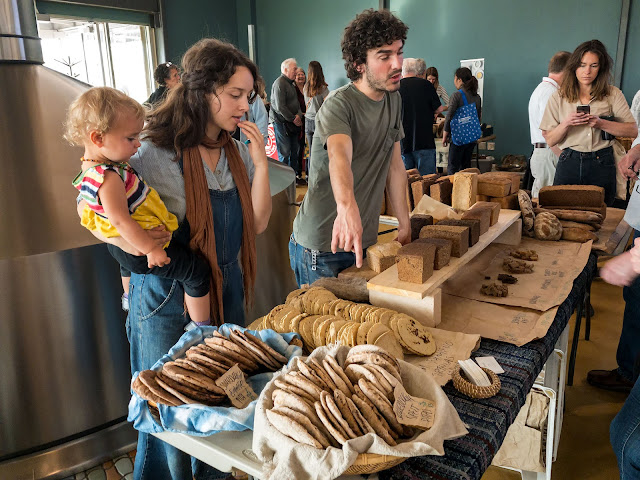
(355, 154)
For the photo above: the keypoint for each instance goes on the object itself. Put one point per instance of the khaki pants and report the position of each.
(543, 169)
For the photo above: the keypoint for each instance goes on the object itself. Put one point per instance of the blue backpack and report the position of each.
(465, 126)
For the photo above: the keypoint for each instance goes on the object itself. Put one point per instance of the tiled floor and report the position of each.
(120, 468)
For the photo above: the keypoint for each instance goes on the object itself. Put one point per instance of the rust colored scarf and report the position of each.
(200, 217)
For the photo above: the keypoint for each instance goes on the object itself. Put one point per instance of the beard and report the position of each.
(380, 84)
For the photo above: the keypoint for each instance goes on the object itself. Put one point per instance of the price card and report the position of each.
(413, 411)
(491, 363)
(236, 388)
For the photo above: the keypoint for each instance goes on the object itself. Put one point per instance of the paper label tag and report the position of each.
(491, 363)
(413, 411)
(236, 388)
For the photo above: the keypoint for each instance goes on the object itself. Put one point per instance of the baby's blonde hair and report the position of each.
(98, 109)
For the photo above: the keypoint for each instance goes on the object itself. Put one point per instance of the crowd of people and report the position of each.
(185, 235)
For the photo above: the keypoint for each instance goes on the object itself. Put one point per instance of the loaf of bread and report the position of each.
(411, 180)
(571, 195)
(494, 207)
(443, 250)
(471, 170)
(412, 171)
(382, 256)
(602, 210)
(584, 226)
(417, 222)
(578, 235)
(547, 227)
(582, 216)
(513, 176)
(510, 202)
(482, 214)
(457, 235)
(528, 216)
(417, 191)
(482, 198)
(472, 223)
(441, 191)
(465, 189)
(493, 186)
(415, 262)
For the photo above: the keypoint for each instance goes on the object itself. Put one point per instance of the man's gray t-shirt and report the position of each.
(374, 127)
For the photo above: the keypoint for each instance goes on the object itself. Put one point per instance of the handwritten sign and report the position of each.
(413, 411)
(236, 388)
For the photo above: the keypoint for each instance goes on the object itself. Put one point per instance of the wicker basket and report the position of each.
(474, 391)
(367, 463)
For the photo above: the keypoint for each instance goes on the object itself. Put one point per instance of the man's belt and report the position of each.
(539, 145)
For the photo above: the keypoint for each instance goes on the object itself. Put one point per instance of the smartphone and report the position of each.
(583, 109)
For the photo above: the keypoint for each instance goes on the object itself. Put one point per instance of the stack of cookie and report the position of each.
(191, 379)
(320, 322)
(323, 404)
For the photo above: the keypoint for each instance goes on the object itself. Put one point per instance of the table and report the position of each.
(466, 458)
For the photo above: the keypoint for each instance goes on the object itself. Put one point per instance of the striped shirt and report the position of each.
(442, 95)
(89, 181)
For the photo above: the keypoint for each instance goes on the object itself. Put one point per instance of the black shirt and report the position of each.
(419, 103)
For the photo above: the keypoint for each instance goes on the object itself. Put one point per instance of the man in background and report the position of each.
(544, 159)
(286, 117)
(420, 105)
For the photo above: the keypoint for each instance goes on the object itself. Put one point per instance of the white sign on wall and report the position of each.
(476, 65)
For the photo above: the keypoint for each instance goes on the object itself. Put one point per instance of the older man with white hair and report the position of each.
(286, 117)
(420, 104)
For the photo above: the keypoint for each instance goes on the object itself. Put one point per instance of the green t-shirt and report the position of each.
(374, 127)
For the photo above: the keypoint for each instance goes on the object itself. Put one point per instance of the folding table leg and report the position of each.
(574, 343)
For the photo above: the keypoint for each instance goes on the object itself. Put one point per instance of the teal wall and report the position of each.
(307, 31)
(187, 21)
(516, 38)
(631, 72)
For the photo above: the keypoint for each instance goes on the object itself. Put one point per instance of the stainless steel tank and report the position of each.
(64, 355)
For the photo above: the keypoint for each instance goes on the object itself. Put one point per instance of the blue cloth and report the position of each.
(288, 147)
(625, 436)
(156, 322)
(423, 160)
(201, 420)
(629, 343)
(311, 265)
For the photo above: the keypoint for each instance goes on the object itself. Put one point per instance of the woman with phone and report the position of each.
(583, 118)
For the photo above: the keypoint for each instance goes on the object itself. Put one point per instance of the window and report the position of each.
(109, 54)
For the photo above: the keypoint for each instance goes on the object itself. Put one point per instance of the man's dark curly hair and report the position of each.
(370, 29)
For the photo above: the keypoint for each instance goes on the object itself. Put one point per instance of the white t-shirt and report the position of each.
(537, 105)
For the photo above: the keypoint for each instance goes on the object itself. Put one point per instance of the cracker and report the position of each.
(340, 437)
(363, 331)
(415, 337)
(306, 422)
(382, 403)
(341, 402)
(292, 429)
(337, 414)
(387, 341)
(180, 374)
(337, 369)
(146, 386)
(298, 380)
(288, 388)
(373, 419)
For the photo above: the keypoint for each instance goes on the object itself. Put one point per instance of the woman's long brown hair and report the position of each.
(315, 80)
(570, 88)
(180, 124)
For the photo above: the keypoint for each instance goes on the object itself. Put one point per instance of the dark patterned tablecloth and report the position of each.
(468, 457)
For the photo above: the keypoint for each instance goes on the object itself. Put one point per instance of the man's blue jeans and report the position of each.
(423, 160)
(629, 344)
(311, 265)
(288, 147)
(625, 436)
